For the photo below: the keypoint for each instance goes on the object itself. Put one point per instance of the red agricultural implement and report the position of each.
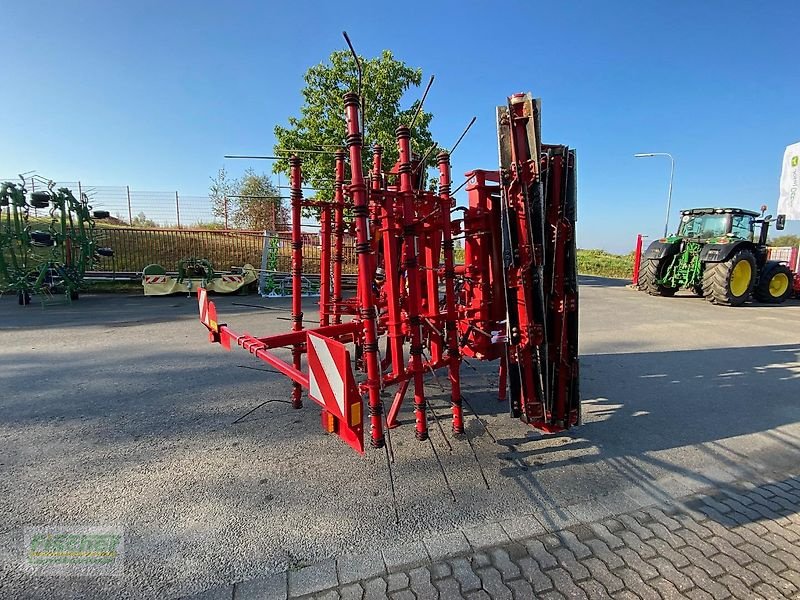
(514, 300)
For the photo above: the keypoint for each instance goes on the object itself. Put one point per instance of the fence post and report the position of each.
(178, 210)
(130, 214)
(637, 259)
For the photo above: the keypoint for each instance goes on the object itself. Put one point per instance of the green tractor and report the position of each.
(717, 254)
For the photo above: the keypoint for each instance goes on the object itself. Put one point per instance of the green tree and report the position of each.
(141, 220)
(250, 202)
(259, 203)
(785, 240)
(221, 188)
(321, 124)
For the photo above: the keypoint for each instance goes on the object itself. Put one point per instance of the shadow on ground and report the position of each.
(650, 405)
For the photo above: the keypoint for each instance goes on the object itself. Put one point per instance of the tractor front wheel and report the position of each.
(652, 271)
(774, 285)
(730, 283)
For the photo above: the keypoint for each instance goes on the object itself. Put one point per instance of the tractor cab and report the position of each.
(711, 224)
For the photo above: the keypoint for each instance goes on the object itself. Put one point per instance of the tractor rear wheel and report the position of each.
(730, 283)
(652, 271)
(774, 285)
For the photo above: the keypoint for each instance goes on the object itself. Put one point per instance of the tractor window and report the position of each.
(742, 227)
(704, 226)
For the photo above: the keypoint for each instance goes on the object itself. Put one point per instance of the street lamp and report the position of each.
(671, 174)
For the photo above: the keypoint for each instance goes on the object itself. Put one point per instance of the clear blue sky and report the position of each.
(153, 94)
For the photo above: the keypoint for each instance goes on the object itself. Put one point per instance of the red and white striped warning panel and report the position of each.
(331, 385)
(233, 278)
(202, 304)
(155, 278)
(208, 314)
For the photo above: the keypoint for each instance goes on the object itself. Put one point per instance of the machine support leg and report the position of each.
(411, 252)
(297, 270)
(453, 353)
(503, 377)
(325, 266)
(392, 267)
(358, 191)
(391, 419)
(338, 253)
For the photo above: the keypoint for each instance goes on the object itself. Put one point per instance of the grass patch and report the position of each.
(604, 264)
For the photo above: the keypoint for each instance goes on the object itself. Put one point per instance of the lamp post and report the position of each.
(671, 174)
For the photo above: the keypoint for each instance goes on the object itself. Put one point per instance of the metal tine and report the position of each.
(441, 429)
(424, 158)
(466, 181)
(471, 446)
(254, 157)
(461, 137)
(477, 461)
(252, 410)
(483, 375)
(389, 447)
(259, 369)
(303, 151)
(421, 102)
(433, 412)
(391, 485)
(480, 420)
(360, 77)
(441, 467)
(466, 435)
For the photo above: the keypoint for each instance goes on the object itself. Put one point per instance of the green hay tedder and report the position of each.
(45, 255)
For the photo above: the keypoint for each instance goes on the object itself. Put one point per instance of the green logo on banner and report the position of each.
(795, 160)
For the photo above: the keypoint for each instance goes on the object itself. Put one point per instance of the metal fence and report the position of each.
(135, 248)
(137, 207)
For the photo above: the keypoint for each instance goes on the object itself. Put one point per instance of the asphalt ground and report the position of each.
(115, 411)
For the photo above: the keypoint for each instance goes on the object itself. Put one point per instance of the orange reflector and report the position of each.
(355, 415)
(328, 421)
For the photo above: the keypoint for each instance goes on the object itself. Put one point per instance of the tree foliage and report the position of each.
(321, 124)
(785, 240)
(250, 202)
(219, 192)
(142, 220)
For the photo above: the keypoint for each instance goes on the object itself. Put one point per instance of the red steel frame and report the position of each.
(410, 290)
(637, 259)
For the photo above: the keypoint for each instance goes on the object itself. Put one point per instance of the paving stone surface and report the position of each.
(740, 541)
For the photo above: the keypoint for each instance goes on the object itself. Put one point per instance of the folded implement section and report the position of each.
(538, 246)
(515, 298)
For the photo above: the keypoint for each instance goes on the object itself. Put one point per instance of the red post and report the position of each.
(325, 265)
(795, 266)
(338, 231)
(358, 191)
(502, 384)
(453, 354)
(637, 259)
(391, 264)
(297, 269)
(410, 253)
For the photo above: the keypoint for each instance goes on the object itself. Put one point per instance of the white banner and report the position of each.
(789, 200)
